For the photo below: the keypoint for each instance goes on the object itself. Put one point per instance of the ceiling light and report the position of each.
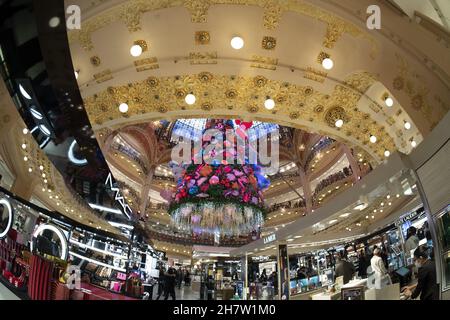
(25, 158)
(76, 74)
(407, 125)
(123, 107)
(25, 131)
(269, 104)
(136, 50)
(44, 130)
(30, 169)
(397, 195)
(36, 113)
(339, 123)
(237, 43)
(327, 63)
(413, 143)
(24, 146)
(332, 221)
(54, 22)
(41, 167)
(387, 153)
(24, 93)
(372, 138)
(389, 102)
(45, 181)
(345, 215)
(190, 99)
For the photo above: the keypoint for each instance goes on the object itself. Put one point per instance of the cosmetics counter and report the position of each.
(44, 255)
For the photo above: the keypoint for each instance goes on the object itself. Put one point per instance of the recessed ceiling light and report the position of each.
(387, 153)
(76, 74)
(345, 215)
(339, 123)
(123, 107)
(30, 169)
(407, 125)
(41, 167)
(332, 221)
(25, 131)
(25, 158)
(136, 50)
(389, 102)
(190, 99)
(269, 104)
(237, 43)
(372, 138)
(327, 63)
(413, 143)
(24, 146)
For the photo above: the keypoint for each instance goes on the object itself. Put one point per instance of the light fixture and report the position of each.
(44, 130)
(41, 167)
(123, 107)
(136, 50)
(76, 74)
(8, 207)
(413, 143)
(30, 170)
(327, 63)
(332, 221)
(339, 123)
(388, 196)
(407, 125)
(36, 113)
(387, 153)
(237, 43)
(190, 99)
(54, 22)
(372, 138)
(269, 104)
(345, 215)
(389, 101)
(72, 157)
(25, 131)
(24, 146)
(25, 158)
(45, 181)
(24, 92)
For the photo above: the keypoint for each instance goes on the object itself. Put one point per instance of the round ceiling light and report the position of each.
(407, 125)
(237, 43)
(339, 123)
(190, 99)
(136, 50)
(413, 143)
(269, 104)
(327, 63)
(387, 153)
(389, 102)
(123, 107)
(25, 131)
(373, 139)
(5, 203)
(24, 146)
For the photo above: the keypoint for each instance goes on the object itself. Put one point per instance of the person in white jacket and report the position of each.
(381, 275)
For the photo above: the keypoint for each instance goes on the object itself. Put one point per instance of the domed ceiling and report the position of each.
(186, 50)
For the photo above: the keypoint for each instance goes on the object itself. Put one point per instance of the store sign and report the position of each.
(118, 196)
(8, 208)
(270, 238)
(407, 217)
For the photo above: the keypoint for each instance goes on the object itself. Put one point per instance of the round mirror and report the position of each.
(49, 239)
(6, 217)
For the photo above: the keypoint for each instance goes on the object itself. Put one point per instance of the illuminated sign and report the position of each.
(118, 197)
(5, 203)
(270, 238)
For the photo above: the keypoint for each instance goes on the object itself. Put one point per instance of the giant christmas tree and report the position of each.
(220, 196)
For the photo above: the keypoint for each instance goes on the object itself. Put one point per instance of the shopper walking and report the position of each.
(161, 281)
(344, 269)
(412, 241)
(362, 264)
(170, 279)
(381, 275)
(426, 287)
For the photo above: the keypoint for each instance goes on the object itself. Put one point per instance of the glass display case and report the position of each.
(443, 226)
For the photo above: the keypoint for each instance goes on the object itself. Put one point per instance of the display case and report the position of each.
(443, 223)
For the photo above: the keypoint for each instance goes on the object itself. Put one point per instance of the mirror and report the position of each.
(6, 217)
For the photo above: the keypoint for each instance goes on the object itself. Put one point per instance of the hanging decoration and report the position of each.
(217, 197)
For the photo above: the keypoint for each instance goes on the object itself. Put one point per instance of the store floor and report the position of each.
(184, 293)
(6, 294)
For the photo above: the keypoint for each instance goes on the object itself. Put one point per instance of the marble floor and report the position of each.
(183, 293)
(6, 294)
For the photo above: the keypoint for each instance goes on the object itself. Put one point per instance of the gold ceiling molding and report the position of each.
(248, 96)
(202, 37)
(417, 89)
(131, 11)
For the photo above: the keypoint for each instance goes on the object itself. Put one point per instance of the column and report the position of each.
(306, 189)
(244, 275)
(146, 189)
(283, 272)
(353, 163)
(23, 187)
